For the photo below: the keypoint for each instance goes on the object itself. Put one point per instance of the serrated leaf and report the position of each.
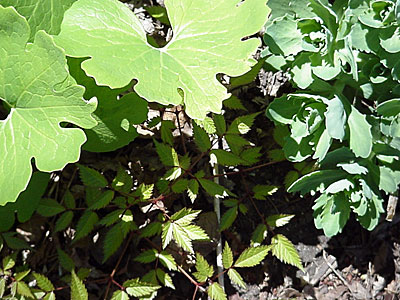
(63, 221)
(166, 234)
(196, 233)
(193, 189)
(251, 156)
(278, 220)
(112, 217)
(43, 282)
(85, 224)
(119, 295)
(151, 229)
(227, 256)
(228, 218)
(167, 126)
(24, 290)
(50, 296)
(147, 256)
(78, 289)
(2, 286)
(136, 288)
(201, 138)
(242, 124)
(167, 260)
(123, 181)
(284, 250)
(251, 256)
(234, 102)
(225, 158)
(180, 185)
(220, 124)
(167, 154)
(235, 277)
(91, 177)
(103, 200)
(8, 262)
(259, 234)
(173, 64)
(262, 191)
(207, 124)
(69, 200)
(212, 188)
(185, 216)
(113, 240)
(181, 237)
(204, 270)
(65, 261)
(216, 292)
(165, 279)
(49, 207)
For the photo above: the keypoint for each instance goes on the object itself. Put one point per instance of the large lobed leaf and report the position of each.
(207, 40)
(35, 85)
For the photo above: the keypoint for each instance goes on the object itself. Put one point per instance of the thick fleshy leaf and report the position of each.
(44, 15)
(360, 133)
(106, 31)
(35, 84)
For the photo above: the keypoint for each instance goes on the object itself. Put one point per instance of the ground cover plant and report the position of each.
(127, 159)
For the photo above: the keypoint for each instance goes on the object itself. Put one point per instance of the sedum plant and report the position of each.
(344, 60)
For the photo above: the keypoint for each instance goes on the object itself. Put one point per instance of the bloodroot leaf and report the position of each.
(40, 94)
(105, 30)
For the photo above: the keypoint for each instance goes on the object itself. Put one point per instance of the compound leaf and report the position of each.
(43, 282)
(137, 288)
(251, 256)
(236, 278)
(186, 67)
(204, 270)
(78, 289)
(216, 292)
(35, 85)
(284, 250)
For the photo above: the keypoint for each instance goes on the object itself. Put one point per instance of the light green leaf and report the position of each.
(196, 233)
(8, 262)
(251, 256)
(78, 289)
(39, 98)
(324, 143)
(119, 295)
(167, 234)
(177, 66)
(167, 260)
(115, 116)
(63, 221)
(137, 288)
(165, 279)
(43, 282)
(278, 220)
(317, 180)
(286, 36)
(49, 207)
(335, 118)
(216, 292)
(227, 256)
(85, 224)
(339, 186)
(2, 286)
(50, 296)
(182, 238)
(236, 278)
(201, 138)
(360, 134)
(284, 250)
(41, 14)
(24, 290)
(207, 124)
(204, 270)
